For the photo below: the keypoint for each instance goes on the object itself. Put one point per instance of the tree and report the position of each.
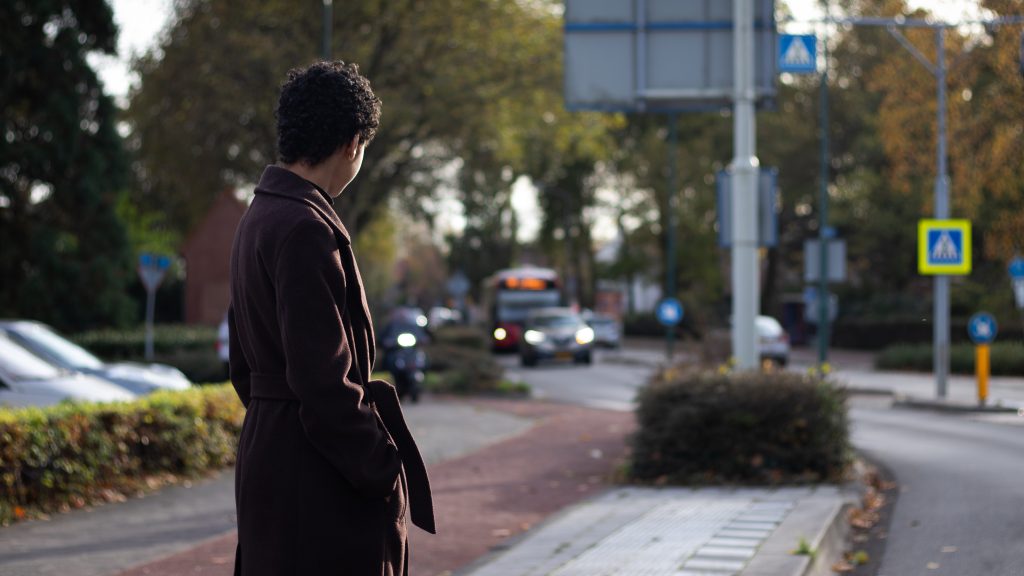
(203, 114)
(64, 254)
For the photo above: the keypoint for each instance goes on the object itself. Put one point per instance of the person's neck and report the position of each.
(320, 175)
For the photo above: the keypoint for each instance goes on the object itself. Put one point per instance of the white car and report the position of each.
(44, 342)
(28, 380)
(773, 341)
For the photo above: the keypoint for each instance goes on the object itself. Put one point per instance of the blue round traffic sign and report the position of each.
(1016, 268)
(670, 312)
(982, 328)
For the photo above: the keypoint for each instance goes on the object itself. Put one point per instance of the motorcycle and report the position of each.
(406, 361)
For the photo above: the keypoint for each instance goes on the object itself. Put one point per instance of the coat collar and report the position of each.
(282, 182)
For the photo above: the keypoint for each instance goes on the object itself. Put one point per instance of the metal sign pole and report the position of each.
(744, 167)
(941, 213)
(670, 269)
(823, 324)
(328, 28)
(150, 309)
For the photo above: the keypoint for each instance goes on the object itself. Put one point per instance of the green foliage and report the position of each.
(1006, 358)
(460, 363)
(64, 254)
(191, 349)
(750, 428)
(114, 344)
(71, 455)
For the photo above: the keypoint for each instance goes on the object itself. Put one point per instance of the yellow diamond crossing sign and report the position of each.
(944, 247)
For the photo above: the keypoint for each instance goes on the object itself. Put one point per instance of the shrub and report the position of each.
(462, 336)
(460, 370)
(460, 362)
(1006, 359)
(752, 428)
(111, 344)
(72, 454)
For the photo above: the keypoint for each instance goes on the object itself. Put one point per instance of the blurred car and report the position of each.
(223, 346)
(555, 334)
(28, 380)
(44, 342)
(606, 330)
(773, 340)
(443, 316)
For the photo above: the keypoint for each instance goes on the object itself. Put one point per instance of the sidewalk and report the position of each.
(684, 532)
(485, 497)
(520, 487)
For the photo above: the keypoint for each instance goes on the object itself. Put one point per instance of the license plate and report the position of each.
(563, 355)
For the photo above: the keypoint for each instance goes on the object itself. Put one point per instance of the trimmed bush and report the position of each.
(70, 455)
(460, 370)
(462, 336)
(747, 428)
(1006, 359)
(168, 339)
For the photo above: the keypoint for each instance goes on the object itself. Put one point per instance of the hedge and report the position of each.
(1006, 358)
(460, 362)
(191, 349)
(71, 455)
(168, 339)
(748, 428)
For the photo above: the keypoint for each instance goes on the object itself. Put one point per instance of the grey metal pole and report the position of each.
(941, 212)
(150, 312)
(744, 167)
(670, 269)
(328, 28)
(823, 321)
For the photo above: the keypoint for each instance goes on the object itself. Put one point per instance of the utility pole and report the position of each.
(744, 168)
(328, 28)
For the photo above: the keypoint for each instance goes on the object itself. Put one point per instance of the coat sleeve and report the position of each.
(238, 367)
(310, 286)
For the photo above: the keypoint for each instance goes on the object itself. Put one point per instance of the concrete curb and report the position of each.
(952, 407)
(827, 540)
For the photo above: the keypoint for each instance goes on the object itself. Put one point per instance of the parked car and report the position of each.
(772, 340)
(224, 346)
(28, 380)
(442, 316)
(606, 330)
(555, 334)
(46, 343)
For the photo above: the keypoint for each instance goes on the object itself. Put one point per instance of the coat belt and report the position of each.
(385, 398)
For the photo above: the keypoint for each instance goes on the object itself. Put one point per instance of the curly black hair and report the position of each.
(321, 109)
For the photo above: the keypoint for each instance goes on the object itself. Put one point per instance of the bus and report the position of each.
(509, 295)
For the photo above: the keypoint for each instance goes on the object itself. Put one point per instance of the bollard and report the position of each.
(981, 368)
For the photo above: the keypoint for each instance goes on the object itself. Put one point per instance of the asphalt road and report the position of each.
(603, 384)
(961, 507)
(960, 510)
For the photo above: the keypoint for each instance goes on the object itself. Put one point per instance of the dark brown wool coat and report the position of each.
(319, 486)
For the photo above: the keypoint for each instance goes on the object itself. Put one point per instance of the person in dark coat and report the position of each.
(326, 466)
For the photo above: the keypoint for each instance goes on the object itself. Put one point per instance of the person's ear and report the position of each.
(352, 148)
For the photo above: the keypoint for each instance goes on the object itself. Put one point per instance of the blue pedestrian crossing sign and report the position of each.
(670, 312)
(798, 53)
(944, 247)
(982, 328)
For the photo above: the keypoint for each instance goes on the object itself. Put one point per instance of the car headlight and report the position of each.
(584, 336)
(406, 340)
(500, 334)
(533, 337)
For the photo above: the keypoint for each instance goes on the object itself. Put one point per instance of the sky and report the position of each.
(140, 22)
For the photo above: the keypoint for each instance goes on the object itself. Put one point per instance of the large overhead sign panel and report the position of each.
(660, 55)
